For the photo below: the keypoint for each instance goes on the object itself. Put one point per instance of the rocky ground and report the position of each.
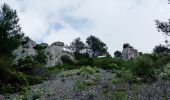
(88, 84)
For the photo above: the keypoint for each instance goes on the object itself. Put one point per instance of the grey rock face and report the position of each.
(53, 52)
(129, 53)
(27, 49)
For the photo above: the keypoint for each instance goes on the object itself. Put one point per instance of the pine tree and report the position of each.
(10, 30)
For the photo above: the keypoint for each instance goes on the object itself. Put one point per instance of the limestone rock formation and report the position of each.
(54, 52)
(129, 52)
(26, 49)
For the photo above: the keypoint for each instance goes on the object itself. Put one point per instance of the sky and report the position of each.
(115, 22)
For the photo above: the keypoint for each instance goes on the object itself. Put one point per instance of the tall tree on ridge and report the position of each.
(97, 47)
(10, 30)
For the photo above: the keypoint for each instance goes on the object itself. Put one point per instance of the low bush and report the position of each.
(144, 67)
(103, 63)
(16, 82)
(30, 67)
(108, 63)
(39, 47)
(67, 60)
(37, 94)
(85, 62)
(32, 80)
(41, 57)
(166, 72)
(87, 70)
(10, 80)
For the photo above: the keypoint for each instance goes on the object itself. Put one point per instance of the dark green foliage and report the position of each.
(161, 50)
(85, 62)
(83, 59)
(126, 45)
(77, 45)
(81, 55)
(10, 80)
(41, 57)
(117, 53)
(67, 60)
(108, 63)
(163, 27)
(30, 67)
(63, 67)
(97, 47)
(34, 79)
(144, 68)
(39, 47)
(10, 30)
(103, 62)
(14, 82)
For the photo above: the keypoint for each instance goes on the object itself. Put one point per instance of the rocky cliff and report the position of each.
(129, 52)
(53, 53)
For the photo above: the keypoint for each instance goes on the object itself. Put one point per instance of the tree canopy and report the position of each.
(97, 47)
(10, 30)
(117, 53)
(77, 45)
(161, 50)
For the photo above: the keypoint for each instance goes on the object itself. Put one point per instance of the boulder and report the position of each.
(129, 52)
(26, 49)
(54, 53)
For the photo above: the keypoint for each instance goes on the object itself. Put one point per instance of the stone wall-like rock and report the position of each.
(52, 52)
(26, 49)
(129, 53)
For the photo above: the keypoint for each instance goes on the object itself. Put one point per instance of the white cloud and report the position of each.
(114, 21)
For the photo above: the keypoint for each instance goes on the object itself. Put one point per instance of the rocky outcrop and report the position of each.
(53, 53)
(129, 52)
(26, 49)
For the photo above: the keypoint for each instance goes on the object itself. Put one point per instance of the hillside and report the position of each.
(94, 84)
(79, 70)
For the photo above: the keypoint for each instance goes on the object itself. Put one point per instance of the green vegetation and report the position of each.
(10, 30)
(97, 47)
(79, 86)
(67, 60)
(82, 85)
(117, 95)
(16, 77)
(37, 94)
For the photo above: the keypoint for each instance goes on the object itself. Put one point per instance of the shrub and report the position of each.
(41, 57)
(103, 62)
(10, 80)
(79, 86)
(108, 63)
(81, 56)
(67, 60)
(144, 68)
(125, 75)
(16, 82)
(39, 47)
(85, 62)
(87, 70)
(117, 54)
(37, 94)
(34, 79)
(166, 72)
(30, 67)
(118, 95)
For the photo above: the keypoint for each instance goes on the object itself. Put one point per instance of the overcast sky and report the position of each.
(114, 21)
